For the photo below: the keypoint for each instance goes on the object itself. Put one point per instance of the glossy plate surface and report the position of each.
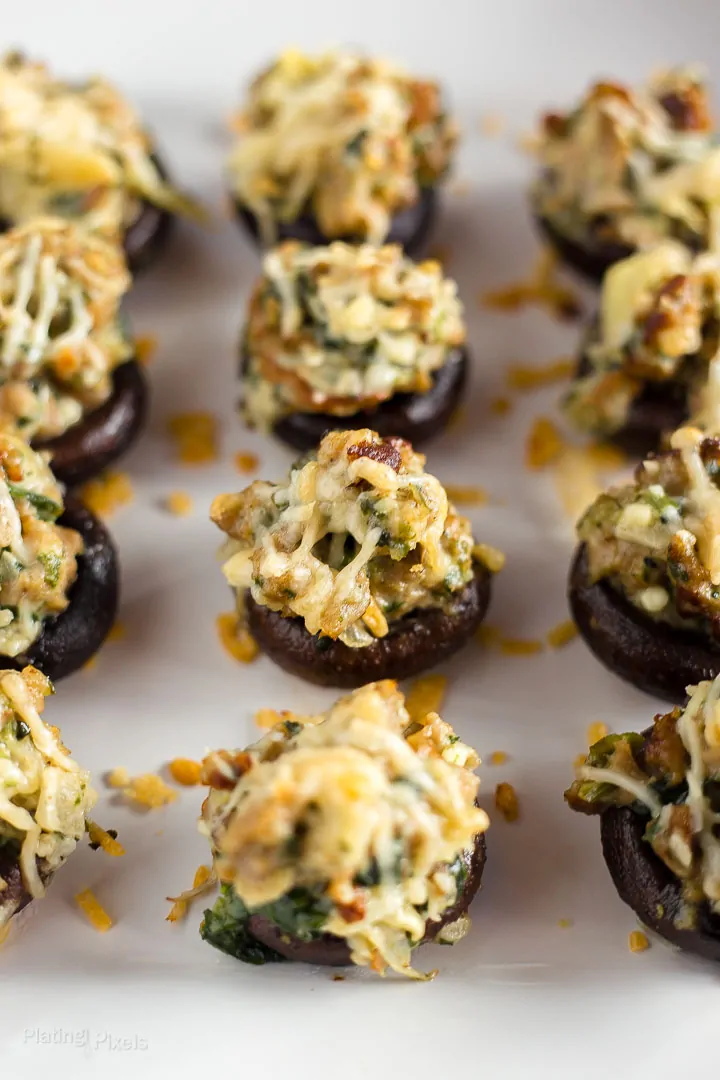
(522, 997)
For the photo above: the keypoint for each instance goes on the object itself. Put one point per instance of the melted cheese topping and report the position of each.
(349, 139)
(682, 831)
(357, 537)
(38, 559)
(355, 794)
(342, 328)
(74, 150)
(60, 334)
(658, 325)
(633, 166)
(44, 795)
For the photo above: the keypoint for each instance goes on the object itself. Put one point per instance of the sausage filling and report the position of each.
(342, 328)
(44, 794)
(633, 166)
(75, 150)
(670, 778)
(357, 537)
(350, 823)
(60, 331)
(657, 541)
(349, 139)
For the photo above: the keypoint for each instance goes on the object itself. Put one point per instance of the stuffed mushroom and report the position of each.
(352, 336)
(45, 796)
(58, 569)
(340, 147)
(69, 380)
(646, 361)
(644, 585)
(78, 150)
(348, 837)
(657, 794)
(628, 168)
(356, 567)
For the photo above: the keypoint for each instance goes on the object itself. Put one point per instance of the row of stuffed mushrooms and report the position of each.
(355, 835)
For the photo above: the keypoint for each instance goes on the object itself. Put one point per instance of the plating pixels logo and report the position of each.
(84, 1039)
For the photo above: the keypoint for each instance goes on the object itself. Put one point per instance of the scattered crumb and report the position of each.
(660, 911)
(498, 757)
(500, 406)
(118, 632)
(195, 436)
(596, 732)
(99, 837)
(245, 462)
(520, 646)
(577, 481)
(491, 557)
(532, 377)
(466, 496)
(107, 493)
(93, 911)
(457, 419)
(147, 790)
(565, 924)
(185, 771)
(202, 880)
(506, 801)
(338, 978)
(562, 634)
(638, 942)
(425, 696)
(542, 289)
(488, 635)
(580, 761)
(145, 348)
(179, 503)
(118, 777)
(544, 444)
(237, 640)
(90, 664)
(492, 124)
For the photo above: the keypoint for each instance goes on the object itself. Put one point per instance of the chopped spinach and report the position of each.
(225, 927)
(22, 730)
(301, 913)
(51, 562)
(47, 509)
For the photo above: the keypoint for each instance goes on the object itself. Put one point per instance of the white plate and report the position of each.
(521, 996)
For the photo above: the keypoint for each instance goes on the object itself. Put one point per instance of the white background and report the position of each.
(520, 997)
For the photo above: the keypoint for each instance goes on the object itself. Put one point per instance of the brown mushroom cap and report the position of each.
(333, 951)
(418, 641)
(145, 239)
(415, 417)
(410, 227)
(68, 641)
(591, 259)
(15, 896)
(660, 407)
(649, 887)
(106, 433)
(651, 655)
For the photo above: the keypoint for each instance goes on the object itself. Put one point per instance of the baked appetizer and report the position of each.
(340, 147)
(58, 569)
(351, 336)
(646, 360)
(658, 796)
(79, 151)
(628, 168)
(356, 567)
(349, 837)
(69, 380)
(44, 794)
(645, 580)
